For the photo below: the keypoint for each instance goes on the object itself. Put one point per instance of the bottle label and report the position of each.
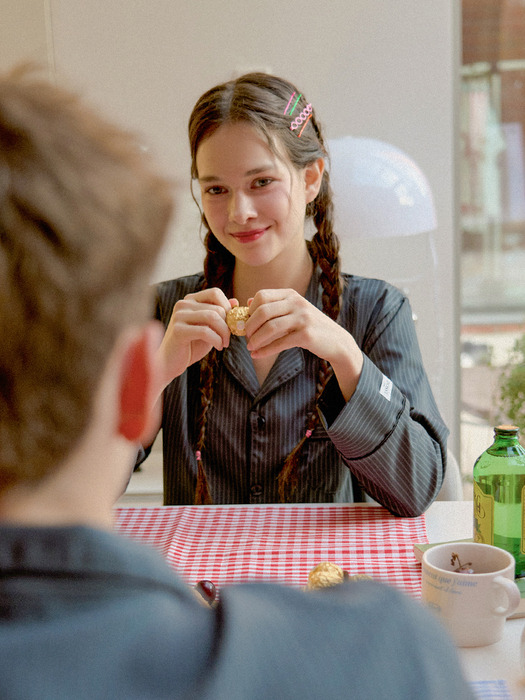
(483, 516)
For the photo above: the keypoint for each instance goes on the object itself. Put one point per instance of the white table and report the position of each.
(450, 521)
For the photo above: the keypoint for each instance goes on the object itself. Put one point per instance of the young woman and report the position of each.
(326, 398)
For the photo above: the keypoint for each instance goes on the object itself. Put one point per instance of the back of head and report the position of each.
(82, 217)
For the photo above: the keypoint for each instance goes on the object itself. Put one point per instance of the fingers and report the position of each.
(203, 327)
(268, 304)
(201, 323)
(197, 324)
(270, 321)
(283, 342)
(213, 297)
(204, 308)
(276, 316)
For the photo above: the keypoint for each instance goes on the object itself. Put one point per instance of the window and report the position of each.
(492, 162)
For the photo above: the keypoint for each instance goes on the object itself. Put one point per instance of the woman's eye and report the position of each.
(262, 181)
(215, 189)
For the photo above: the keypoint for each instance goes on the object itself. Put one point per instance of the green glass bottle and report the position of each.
(499, 495)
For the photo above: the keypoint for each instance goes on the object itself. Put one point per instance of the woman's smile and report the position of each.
(249, 236)
(253, 199)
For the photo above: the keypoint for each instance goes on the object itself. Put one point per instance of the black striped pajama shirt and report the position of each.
(387, 441)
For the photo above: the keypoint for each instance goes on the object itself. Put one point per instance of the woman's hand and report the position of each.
(281, 319)
(197, 324)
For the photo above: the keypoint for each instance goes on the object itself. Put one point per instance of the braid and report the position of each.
(218, 272)
(324, 249)
(208, 366)
(287, 479)
(218, 264)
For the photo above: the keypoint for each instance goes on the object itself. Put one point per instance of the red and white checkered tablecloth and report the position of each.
(280, 543)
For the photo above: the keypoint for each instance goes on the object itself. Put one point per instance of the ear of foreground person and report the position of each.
(85, 613)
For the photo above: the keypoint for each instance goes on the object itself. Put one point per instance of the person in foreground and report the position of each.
(326, 399)
(85, 613)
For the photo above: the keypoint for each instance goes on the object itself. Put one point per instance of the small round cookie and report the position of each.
(236, 319)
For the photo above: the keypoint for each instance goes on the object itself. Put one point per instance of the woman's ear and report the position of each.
(313, 176)
(138, 382)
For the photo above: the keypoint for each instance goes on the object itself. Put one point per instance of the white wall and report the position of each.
(23, 32)
(383, 69)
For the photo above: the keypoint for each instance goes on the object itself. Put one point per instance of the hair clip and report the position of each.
(198, 455)
(308, 433)
(295, 103)
(305, 114)
(303, 117)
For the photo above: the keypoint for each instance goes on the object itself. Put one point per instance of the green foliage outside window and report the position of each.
(512, 388)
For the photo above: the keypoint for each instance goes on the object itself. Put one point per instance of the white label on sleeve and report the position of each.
(386, 388)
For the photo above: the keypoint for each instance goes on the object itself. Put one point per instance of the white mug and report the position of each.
(471, 588)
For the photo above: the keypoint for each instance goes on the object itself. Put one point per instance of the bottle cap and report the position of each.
(507, 429)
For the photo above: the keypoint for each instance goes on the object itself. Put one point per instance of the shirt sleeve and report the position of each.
(166, 295)
(390, 433)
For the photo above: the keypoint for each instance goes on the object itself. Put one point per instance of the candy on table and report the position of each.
(206, 592)
(326, 574)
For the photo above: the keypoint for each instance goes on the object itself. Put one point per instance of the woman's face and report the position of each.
(253, 201)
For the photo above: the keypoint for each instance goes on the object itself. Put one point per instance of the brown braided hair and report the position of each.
(260, 100)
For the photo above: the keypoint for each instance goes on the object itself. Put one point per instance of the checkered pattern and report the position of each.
(280, 543)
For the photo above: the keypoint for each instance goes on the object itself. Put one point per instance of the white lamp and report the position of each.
(379, 191)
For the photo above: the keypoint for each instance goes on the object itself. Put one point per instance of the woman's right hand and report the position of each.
(197, 324)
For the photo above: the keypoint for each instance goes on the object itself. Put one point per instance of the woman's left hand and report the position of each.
(281, 319)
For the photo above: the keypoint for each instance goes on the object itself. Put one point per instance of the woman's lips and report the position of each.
(248, 236)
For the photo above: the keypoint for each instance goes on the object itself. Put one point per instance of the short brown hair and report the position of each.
(82, 218)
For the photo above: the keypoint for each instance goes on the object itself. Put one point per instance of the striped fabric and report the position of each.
(491, 690)
(387, 441)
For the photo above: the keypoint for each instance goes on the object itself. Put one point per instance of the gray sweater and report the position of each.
(88, 615)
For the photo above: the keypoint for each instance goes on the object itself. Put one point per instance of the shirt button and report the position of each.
(256, 490)
(261, 422)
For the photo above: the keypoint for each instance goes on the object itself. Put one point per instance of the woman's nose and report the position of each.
(241, 208)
